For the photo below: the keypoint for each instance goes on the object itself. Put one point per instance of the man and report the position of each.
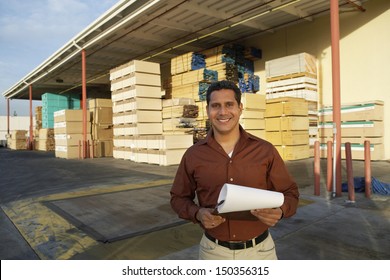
(231, 155)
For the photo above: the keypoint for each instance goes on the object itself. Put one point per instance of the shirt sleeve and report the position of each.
(183, 193)
(280, 180)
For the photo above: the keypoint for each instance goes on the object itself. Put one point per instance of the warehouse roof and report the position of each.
(157, 31)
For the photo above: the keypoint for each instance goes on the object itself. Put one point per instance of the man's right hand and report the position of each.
(207, 219)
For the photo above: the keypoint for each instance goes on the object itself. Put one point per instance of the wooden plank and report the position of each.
(364, 111)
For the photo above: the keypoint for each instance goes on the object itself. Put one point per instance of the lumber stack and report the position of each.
(192, 84)
(16, 140)
(296, 76)
(101, 115)
(46, 141)
(136, 97)
(252, 117)
(235, 63)
(68, 133)
(187, 62)
(179, 115)
(287, 123)
(360, 122)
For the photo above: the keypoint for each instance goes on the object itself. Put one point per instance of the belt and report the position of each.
(239, 245)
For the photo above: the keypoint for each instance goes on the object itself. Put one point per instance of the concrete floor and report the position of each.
(55, 209)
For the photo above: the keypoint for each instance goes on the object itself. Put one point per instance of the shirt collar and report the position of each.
(244, 136)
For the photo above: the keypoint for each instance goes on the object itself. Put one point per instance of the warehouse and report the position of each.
(163, 32)
(133, 83)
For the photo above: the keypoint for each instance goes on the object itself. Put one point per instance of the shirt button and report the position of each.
(234, 235)
(231, 161)
(231, 179)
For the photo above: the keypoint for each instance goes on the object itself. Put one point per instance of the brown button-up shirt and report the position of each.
(205, 168)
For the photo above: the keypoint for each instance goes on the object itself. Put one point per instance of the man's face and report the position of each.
(223, 111)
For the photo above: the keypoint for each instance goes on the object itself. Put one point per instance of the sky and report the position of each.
(31, 31)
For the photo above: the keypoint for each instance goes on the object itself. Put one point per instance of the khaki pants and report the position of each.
(208, 250)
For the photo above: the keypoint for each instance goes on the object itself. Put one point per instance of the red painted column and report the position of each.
(348, 160)
(31, 142)
(335, 37)
(367, 168)
(84, 101)
(317, 169)
(329, 168)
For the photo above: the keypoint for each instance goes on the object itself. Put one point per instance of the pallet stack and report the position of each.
(100, 111)
(359, 122)
(252, 117)
(287, 122)
(137, 105)
(68, 133)
(296, 76)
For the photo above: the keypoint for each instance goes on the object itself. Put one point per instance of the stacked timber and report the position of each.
(17, 140)
(287, 122)
(137, 105)
(296, 76)
(100, 111)
(46, 141)
(360, 122)
(179, 115)
(187, 62)
(38, 126)
(68, 133)
(235, 63)
(252, 117)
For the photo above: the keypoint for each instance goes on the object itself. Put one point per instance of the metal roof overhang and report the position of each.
(157, 31)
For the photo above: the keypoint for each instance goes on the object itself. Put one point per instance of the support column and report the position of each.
(335, 37)
(84, 101)
(8, 116)
(31, 138)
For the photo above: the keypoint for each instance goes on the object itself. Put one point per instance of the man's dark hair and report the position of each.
(224, 85)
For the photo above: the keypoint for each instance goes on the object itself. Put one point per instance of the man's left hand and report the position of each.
(269, 216)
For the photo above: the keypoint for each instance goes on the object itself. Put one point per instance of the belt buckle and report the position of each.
(237, 245)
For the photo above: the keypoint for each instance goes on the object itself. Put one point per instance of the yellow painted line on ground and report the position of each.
(51, 236)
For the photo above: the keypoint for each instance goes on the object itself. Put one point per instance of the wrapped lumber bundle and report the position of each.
(187, 62)
(68, 133)
(360, 122)
(287, 127)
(102, 126)
(295, 76)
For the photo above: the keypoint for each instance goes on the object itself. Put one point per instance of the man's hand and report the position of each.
(269, 216)
(207, 219)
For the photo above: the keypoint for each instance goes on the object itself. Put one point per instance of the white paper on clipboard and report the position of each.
(235, 198)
